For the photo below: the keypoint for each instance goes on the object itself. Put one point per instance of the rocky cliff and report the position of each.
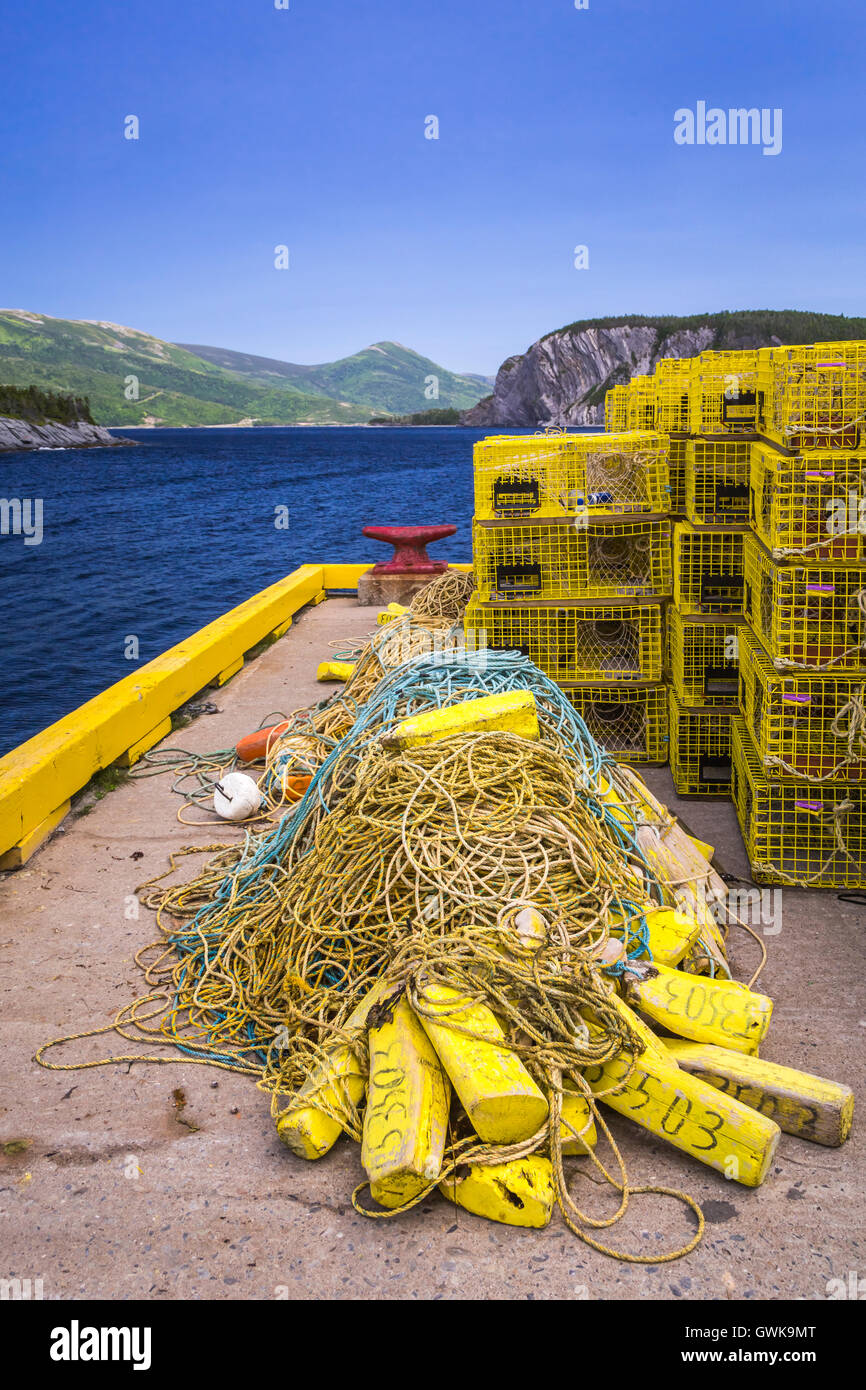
(21, 434)
(562, 379)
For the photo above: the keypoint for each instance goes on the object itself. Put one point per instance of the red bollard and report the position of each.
(410, 553)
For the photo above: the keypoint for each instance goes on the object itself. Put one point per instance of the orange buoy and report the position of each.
(296, 783)
(253, 746)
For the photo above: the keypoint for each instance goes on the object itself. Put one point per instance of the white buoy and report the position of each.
(236, 797)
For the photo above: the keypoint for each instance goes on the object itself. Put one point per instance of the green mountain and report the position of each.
(108, 363)
(387, 377)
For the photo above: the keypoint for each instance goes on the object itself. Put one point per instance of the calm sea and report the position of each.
(156, 541)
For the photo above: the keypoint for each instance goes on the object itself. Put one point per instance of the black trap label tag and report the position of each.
(741, 408)
(720, 680)
(733, 498)
(516, 495)
(721, 590)
(715, 770)
(518, 579)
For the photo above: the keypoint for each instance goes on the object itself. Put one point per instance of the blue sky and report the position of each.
(305, 127)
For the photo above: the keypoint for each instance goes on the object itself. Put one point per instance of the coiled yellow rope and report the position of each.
(409, 879)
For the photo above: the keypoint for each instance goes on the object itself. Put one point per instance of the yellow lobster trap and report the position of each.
(814, 397)
(521, 477)
(703, 654)
(672, 379)
(580, 558)
(677, 450)
(724, 395)
(574, 642)
(708, 570)
(616, 409)
(810, 506)
(717, 482)
(700, 749)
(808, 617)
(811, 727)
(630, 723)
(640, 406)
(794, 832)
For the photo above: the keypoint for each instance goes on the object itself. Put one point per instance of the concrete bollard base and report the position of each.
(378, 590)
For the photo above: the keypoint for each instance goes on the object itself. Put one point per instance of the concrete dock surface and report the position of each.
(109, 1189)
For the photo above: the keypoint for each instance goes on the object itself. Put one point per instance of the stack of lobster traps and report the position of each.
(572, 563)
(672, 382)
(799, 745)
(707, 612)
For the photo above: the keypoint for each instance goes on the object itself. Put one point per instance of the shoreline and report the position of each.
(23, 436)
(297, 425)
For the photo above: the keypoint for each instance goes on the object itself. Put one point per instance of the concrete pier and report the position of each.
(109, 1189)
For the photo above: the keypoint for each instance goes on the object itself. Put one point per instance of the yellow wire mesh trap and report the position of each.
(814, 397)
(811, 506)
(672, 380)
(700, 750)
(640, 408)
(708, 570)
(520, 477)
(677, 449)
(717, 482)
(571, 642)
(616, 409)
(630, 723)
(806, 616)
(723, 395)
(802, 726)
(703, 654)
(796, 833)
(588, 559)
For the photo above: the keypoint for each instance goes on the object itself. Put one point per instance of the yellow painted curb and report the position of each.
(43, 774)
(20, 853)
(226, 675)
(133, 754)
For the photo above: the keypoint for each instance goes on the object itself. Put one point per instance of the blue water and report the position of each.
(156, 541)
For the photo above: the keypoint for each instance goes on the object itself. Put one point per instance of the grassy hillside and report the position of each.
(740, 328)
(174, 386)
(386, 377)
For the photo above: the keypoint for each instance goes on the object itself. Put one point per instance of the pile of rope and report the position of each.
(445, 677)
(444, 597)
(406, 867)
